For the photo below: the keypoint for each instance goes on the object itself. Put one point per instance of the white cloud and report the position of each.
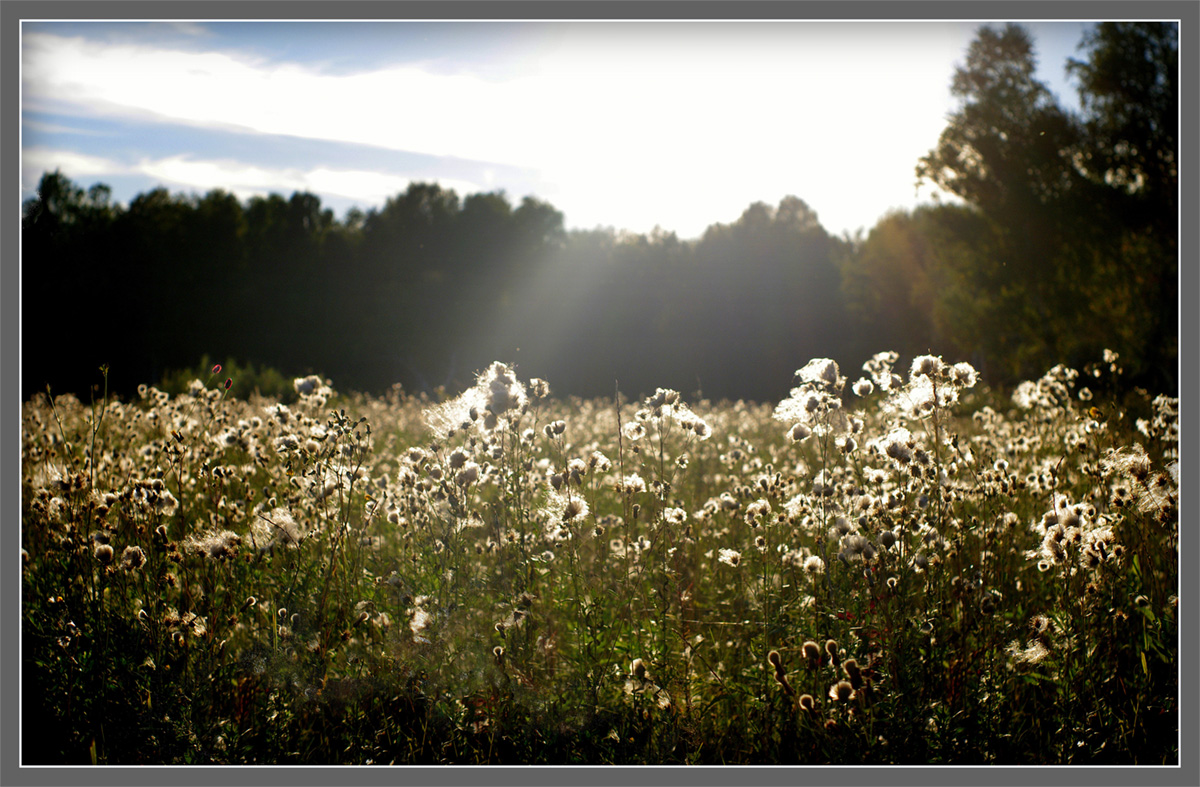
(395, 108)
(39, 160)
(55, 128)
(627, 125)
(839, 120)
(244, 180)
(374, 187)
(227, 174)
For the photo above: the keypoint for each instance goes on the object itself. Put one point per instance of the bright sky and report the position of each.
(620, 124)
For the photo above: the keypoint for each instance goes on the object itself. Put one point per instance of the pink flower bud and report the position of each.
(216, 369)
(228, 383)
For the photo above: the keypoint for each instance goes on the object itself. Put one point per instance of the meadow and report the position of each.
(898, 566)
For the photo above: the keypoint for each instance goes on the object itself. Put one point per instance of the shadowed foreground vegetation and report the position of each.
(906, 568)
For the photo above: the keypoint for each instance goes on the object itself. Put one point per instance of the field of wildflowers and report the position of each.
(905, 568)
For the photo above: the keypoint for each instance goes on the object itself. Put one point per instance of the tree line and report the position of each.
(1063, 245)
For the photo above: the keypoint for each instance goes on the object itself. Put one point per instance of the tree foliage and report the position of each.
(1064, 243)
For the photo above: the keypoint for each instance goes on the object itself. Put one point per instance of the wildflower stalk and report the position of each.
(630, 527)
(58, 422)
(937, 455)
(825, 518)
(514, 491)
(96, 422)
(766, 625)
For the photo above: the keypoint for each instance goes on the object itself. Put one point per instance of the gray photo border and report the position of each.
(13, 11)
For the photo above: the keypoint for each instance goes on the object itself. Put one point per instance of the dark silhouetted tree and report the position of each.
(1061, 262)
(1129, 88)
